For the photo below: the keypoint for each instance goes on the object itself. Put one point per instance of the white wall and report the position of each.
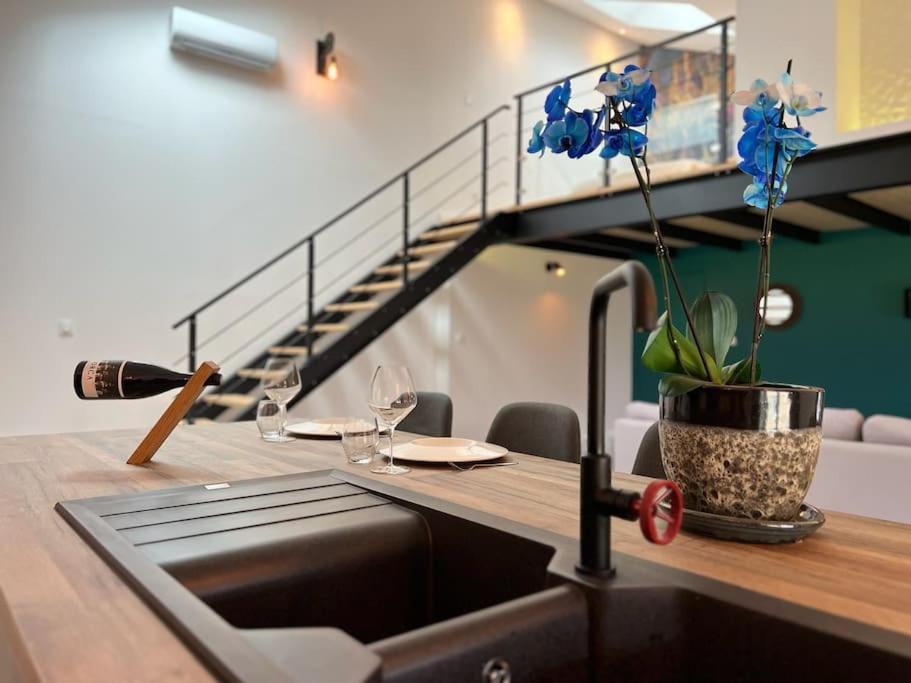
(136, 182)
(502, 330)
(773, 31)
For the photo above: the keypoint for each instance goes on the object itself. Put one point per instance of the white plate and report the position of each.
(446, 450)
(322, 428)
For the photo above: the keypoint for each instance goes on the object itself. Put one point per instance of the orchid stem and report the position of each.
(664, 260)
(760, 305)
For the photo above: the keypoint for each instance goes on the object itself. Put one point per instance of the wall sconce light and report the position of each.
(326, 64)
(557, 269)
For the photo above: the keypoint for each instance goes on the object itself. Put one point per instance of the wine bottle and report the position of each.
(125, 379)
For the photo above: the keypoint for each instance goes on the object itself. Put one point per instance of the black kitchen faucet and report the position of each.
(598, 499)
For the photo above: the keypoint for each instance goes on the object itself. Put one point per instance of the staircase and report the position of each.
(324, 338)
(698, 203)
(353, 320)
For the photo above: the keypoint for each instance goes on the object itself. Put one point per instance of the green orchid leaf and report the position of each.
(659, 354)
(675, 385)
(739, 372)
(715, 320)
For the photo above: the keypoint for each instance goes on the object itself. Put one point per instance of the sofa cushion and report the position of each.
(642, 410)
(889, 429)
(842, 423)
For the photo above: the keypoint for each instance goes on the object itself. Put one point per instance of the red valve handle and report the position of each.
(650, 510)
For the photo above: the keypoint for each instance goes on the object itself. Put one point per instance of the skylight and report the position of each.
(659, 16)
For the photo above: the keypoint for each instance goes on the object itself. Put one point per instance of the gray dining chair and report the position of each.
(431, 417)
(545, 429)
(648, 457)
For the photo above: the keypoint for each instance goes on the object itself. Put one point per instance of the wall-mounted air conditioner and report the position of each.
(210, 37)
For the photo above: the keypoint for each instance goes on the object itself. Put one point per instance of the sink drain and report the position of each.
(496, 671)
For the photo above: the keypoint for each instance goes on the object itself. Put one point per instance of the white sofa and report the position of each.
(859, 477)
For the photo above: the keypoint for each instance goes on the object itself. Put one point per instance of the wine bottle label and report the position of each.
(102, 379)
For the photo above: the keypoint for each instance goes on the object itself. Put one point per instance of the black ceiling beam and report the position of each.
(584, 242)
(748, 219)
(610, 242)
(867, 165)
(671, 200)
(852, 208)
(691, 235)
(586, 249)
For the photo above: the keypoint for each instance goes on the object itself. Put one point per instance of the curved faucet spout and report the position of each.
(636, 277)
(598, 499)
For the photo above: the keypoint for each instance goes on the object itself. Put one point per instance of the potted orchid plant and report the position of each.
(735, 446)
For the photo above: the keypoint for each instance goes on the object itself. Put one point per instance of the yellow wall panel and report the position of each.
(873, 63)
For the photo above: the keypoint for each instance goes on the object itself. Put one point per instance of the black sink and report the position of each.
(328, 576)
(345, 559)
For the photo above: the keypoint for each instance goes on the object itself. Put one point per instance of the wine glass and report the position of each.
(281, 382)
(392, 397)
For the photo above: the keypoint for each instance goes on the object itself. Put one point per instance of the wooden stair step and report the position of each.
(288, 350)
(431, 248)
(256, 373)
(228, 400)
(455, 231)
(351, 306)
(396, 268)
(325, 327)
(381, 286)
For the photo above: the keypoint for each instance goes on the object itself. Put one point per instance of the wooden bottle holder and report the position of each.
(171, 417)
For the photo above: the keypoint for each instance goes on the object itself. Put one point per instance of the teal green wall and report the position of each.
(852, 337)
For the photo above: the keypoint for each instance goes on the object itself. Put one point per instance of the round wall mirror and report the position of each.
(783, 307)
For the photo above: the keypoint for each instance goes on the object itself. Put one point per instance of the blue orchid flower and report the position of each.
(623, 86)
(568, 135)
(536, 144)
(557, 101)
(627, 142)
(641, 78)
(764, 157)
(759, 96)
(580, 128)
(798, 99)
(753, 117)
(746, 145)
(795, 142)
(757, 194)
(642, 106)
(595, 133)
(609, 85)
(756, 147)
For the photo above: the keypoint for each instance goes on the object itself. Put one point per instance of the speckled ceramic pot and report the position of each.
(743, 451)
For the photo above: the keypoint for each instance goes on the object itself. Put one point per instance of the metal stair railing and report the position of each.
(404, 179)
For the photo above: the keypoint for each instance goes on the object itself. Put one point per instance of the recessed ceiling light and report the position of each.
(659, 16)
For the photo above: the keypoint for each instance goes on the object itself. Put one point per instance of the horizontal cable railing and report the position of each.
(402, 207)
(643, 55)
(628, 56)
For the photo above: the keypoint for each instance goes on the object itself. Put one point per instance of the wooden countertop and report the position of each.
(74, 618)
